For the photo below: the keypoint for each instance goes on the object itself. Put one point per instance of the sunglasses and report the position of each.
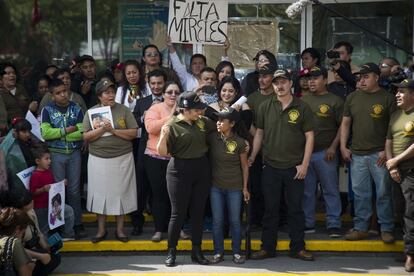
(176, 93)
(152, 54)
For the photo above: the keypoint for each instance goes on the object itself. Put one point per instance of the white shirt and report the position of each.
(189, 81)
(130, 105)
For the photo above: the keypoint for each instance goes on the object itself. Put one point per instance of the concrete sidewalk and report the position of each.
(326, 264)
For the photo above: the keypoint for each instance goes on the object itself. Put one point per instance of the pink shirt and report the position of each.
(154, 119)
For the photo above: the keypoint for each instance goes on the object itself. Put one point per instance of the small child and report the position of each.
(40, 183)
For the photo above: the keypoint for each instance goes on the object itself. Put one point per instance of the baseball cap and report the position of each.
(228, 113)
(407, 83)
(282, 73)
(190, 100)
(84, 58)
(369, 67)
(317, 71)
(103, 85)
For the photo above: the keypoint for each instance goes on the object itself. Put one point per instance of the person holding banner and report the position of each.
(16, 149)
(40, 184)
(112, 186)
(188, 80)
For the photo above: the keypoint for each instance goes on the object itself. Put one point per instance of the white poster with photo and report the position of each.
(56, 206)
(198, 21)
(98, 116)
(25, 176)
(35, 125)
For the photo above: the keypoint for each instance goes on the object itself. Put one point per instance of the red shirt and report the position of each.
(37, 181)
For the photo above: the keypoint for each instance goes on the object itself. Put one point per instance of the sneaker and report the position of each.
(80, 232)
(334, 232)
(238, 259)
(387, 237)
(310, 230)
(217, 258)
(157, 237)
(356, 235)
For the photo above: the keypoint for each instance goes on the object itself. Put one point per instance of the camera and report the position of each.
(398, 76)
(332, 54)
(210, 90)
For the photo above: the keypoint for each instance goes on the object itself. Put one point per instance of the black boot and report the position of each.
(170, 260)
(197, 256)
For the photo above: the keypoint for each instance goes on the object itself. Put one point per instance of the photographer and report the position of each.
(342, 50)
(344, 81)
(391, 72)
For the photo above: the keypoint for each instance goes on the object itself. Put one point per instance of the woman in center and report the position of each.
(184, 138)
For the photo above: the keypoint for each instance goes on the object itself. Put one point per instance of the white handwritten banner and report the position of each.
(198, 21)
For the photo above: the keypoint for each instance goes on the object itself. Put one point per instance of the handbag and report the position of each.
(6, 261)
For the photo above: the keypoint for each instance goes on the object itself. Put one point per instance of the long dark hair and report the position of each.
(143, 54)
(223, 64)
(236, 85)
(141, 81)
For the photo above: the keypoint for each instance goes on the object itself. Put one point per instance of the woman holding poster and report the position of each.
(111, 170)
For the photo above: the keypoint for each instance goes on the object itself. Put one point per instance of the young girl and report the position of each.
(230, 173)
(40, 183)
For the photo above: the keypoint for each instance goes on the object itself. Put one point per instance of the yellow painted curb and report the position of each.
(222, 274)
(283, 245)
(90, 218)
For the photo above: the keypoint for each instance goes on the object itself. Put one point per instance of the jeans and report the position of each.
(325, 172)
(278, 183)
(232, 199)
(69, 166)
(364, 170)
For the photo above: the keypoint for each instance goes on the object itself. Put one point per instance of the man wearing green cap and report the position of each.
(285, 133)
(399, 149)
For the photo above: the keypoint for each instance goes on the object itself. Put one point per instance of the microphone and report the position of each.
(296, 8)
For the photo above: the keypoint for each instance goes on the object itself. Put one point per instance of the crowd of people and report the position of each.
(192, 146)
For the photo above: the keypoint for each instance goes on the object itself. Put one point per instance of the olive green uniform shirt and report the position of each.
(20, 256)
(284, 131)
(255, 100)
(224, 155)
(112, 146)
(17, 105)
(401, 132)
(187, 141)
(327, 110)
(370, 114)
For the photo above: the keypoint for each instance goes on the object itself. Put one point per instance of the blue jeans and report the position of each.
(67, 229)
(233, 200)
(69, 166)
(365, 169)
(326, 173)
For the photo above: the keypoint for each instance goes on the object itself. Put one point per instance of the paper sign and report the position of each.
(56, 206)
(198, 21)
(25, 176)
(98, 116)
(35, 125)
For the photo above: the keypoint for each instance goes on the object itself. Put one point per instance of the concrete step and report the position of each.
(91, 218)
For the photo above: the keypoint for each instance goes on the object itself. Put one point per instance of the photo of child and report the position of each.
(99, 116)
(56, 213)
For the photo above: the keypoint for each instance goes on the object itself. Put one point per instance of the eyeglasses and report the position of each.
(152, 54)
(176, 93)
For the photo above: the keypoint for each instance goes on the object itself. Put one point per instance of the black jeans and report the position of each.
(137, 217)
(161, 207)
(274, 182)
(407, 187)
(256, 193)
(188, 184)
